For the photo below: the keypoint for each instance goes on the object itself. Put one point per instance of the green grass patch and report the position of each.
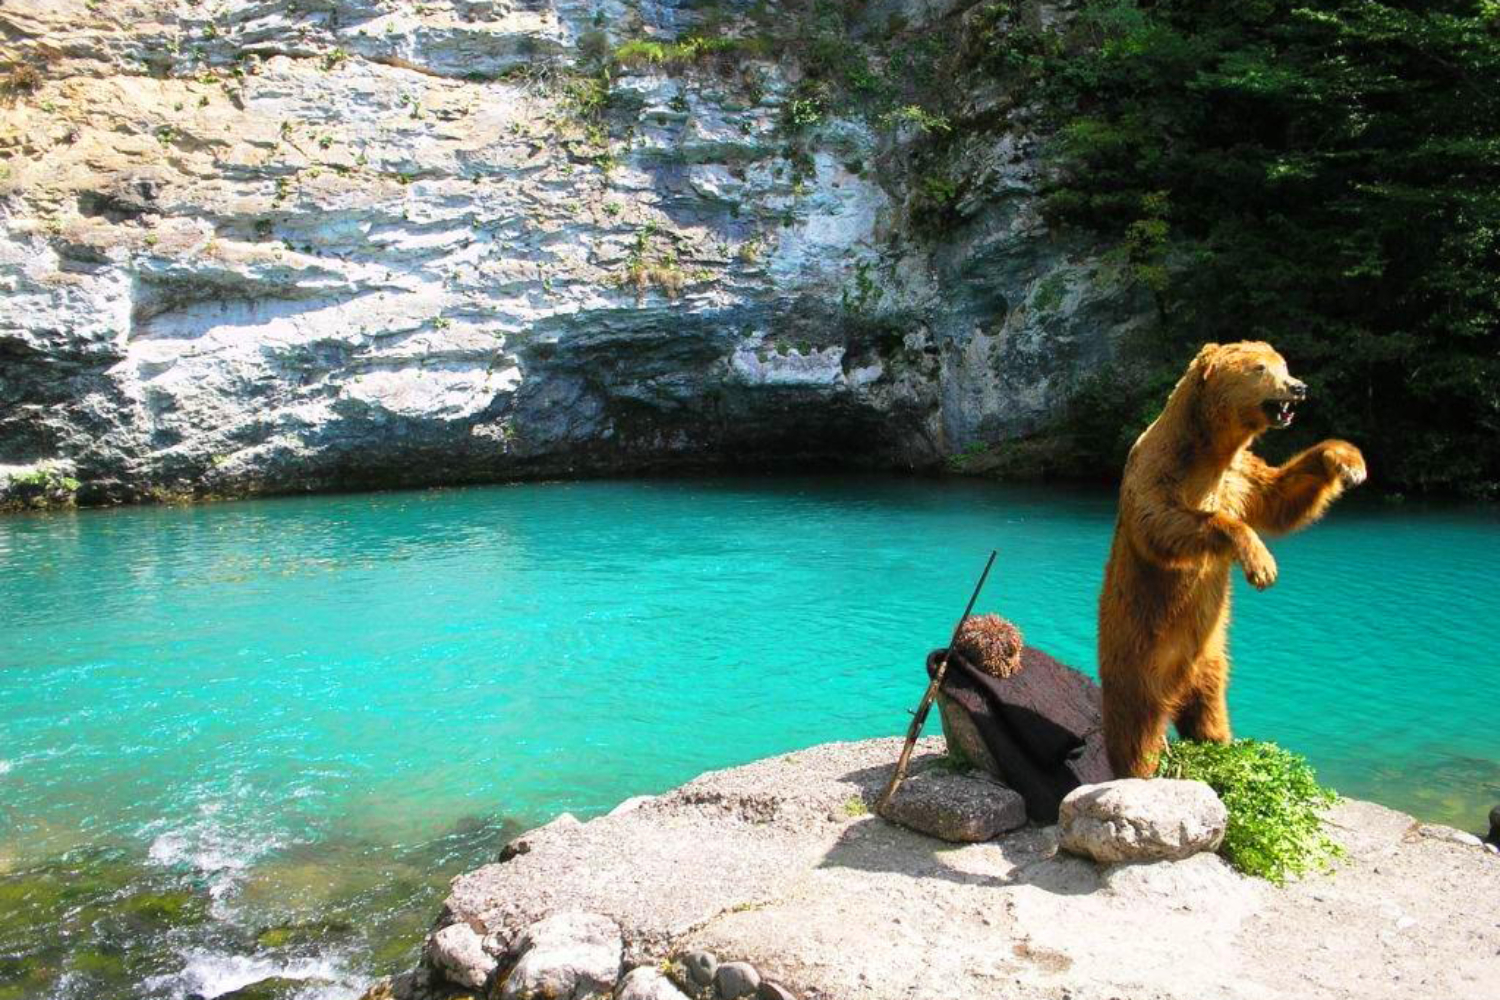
(641, 52)
(1274, 800)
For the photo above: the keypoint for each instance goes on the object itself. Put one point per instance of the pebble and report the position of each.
(736, 979)
(774, 991)
(701, 966)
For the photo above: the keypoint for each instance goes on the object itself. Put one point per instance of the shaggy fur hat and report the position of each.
(992, 644)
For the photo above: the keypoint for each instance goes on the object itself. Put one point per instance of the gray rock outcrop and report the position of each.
(957, 806)
(1134, 819)
(763, 865)
(269, 245)
(570, 955)
(457, 952)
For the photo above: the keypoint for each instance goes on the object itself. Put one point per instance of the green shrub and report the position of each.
(1274, 801)
(642, 52)
(918, 117)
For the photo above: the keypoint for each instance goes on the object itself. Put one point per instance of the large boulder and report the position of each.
(1135, 819)
(568, 956)
(955, 806)
(457, 953)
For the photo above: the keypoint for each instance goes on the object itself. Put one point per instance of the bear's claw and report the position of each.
(1259, 565)
(1345, 463)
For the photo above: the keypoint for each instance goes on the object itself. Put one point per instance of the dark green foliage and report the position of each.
(1323, 177)
(687, 51)
(934, 198)
(1274, 802)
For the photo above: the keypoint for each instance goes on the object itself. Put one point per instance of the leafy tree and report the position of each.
(1321, 174)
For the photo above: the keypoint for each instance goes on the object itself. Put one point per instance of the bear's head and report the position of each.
(1248, 384)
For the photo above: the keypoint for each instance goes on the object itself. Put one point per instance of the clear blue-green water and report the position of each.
(250, 739)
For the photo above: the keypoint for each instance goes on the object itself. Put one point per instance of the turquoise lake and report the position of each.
(254, 739)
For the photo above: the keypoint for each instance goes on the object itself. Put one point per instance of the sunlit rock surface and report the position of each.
(263, 246)
(779, 866)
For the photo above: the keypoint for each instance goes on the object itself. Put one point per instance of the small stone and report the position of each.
(736, 979)
(1138, 819)
(774, 991)
(1495, 825)
(1448, 834)
(457, 951)
(701, 966)
(957, 807)
(572, 954)
(646, 983)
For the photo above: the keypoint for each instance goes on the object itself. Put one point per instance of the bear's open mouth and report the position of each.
(1280, 412)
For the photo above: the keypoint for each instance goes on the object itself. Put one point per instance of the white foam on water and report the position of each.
(26, 758)
(221, 843)
(215, 846)
(212, 974)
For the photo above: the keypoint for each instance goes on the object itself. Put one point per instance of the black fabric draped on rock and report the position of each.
(1042, 725)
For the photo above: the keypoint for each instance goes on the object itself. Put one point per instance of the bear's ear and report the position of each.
(1204, 361)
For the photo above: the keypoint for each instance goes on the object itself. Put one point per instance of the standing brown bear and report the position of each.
(1193, 500)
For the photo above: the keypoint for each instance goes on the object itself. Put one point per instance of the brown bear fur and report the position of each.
(1194, 499)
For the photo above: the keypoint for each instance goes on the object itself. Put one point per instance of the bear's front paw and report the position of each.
(1259, 565)
(1344, 463)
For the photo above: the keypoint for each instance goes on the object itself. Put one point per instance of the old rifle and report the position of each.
(919, 718)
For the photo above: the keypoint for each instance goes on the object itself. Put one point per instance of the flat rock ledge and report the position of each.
(774, 881)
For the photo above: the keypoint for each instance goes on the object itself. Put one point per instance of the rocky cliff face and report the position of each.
(265, 245)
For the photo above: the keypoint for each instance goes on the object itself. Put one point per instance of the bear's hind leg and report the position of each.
(1135, 729)
(1204, 715)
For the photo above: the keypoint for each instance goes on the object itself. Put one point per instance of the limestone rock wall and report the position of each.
(267, 245)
